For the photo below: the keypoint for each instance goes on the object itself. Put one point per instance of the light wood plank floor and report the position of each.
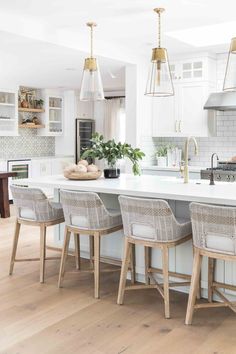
(40, 318)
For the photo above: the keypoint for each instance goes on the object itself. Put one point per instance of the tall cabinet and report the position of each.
(183, 113)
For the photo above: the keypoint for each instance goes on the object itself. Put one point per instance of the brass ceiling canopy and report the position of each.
(159, 80)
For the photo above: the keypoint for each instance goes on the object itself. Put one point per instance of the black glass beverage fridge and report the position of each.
(84, 129)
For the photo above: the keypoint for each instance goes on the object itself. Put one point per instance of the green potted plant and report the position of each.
(39, 103)
(161, 155)
(112, 152)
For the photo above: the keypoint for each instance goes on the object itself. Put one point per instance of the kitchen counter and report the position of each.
(170, 188)
(178, 194)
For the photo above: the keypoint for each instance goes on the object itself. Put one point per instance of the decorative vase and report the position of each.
(24, 104)
(162, 161)
(111, 171)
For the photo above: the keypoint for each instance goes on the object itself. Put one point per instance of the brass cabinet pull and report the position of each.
(180, 126)
(176, 126)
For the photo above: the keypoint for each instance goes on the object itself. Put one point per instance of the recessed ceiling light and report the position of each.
(206, 35)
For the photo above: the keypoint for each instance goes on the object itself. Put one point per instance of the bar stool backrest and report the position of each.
(31, 203)
(149, 219)
(214, 227)
(84, 210)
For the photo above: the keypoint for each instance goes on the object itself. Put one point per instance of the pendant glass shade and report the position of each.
(230, 74)
(159, 83)
(91, 86)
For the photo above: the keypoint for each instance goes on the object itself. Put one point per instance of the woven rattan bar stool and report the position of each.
(86, 214)
(34, 209)
(214, 236)
(151, 223)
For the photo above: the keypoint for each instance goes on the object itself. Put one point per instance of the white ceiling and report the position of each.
(29, 62)
(127, 30)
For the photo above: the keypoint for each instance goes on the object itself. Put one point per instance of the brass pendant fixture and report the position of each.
(91, 86)
(159, 82)
(230, 73)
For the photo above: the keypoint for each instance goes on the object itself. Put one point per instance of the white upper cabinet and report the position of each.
(194, 69)
(183, 114)
(53, 118)
(8, 112)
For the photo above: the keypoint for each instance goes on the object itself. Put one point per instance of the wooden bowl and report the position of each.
(83, 176)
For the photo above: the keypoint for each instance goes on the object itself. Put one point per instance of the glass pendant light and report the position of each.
(159, 82)
(230, 73)
(91, 86)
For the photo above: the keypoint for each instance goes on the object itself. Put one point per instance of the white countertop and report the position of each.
(174, 169)
(146, 186)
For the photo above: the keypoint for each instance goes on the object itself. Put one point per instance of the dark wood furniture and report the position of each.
(4, 195)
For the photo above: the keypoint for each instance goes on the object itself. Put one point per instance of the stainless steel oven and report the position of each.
(21, 167)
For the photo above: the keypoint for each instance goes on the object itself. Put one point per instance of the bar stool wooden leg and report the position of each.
(42, 251)
(96, 265)
(211, 267)
(64, 256)
(91, 249)
(147, 260)
(194, 286)
(124, 270)
(199, 291)
(133, 264)
(165, 266)
(77, 250)
(14, 246)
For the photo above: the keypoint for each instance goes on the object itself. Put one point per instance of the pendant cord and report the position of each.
(91, 48)
(159, 30)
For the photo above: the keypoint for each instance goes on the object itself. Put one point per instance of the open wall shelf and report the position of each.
(31, 110)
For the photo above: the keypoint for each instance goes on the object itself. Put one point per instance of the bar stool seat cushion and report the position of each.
(83, 222)
(142, 230)
(220, 243)
(26, 213)
(56, 213)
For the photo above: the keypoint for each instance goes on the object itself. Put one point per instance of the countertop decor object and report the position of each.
(161, 155)
(159, 78)
(84, 176)
(112, 152)
(91, 86)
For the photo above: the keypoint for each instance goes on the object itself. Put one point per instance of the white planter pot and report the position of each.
(162, 161)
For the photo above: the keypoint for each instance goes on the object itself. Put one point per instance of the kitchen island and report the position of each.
(178, 194)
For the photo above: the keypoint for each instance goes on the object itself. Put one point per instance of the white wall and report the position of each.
(138, 106)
